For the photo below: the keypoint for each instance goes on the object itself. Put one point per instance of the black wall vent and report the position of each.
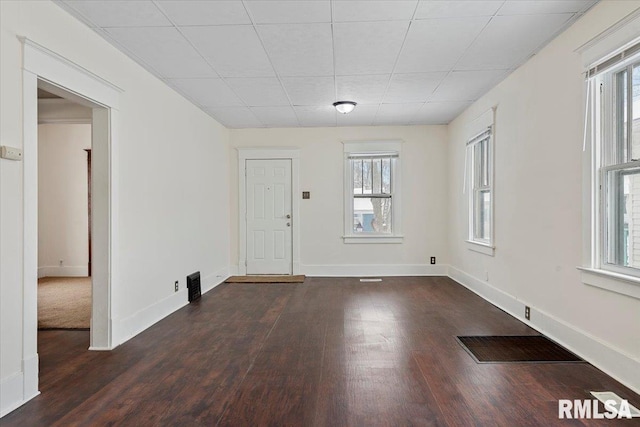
(193, 286)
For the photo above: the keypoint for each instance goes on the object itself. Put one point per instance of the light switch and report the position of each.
(10, 153)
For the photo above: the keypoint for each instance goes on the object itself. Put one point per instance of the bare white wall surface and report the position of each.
(63, 214)
(538, 203)
(172, 163)
(424, 196)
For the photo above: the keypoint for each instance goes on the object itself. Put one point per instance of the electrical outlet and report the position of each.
(61, 263)
(527, 312)
(433, 260)
(176, 286)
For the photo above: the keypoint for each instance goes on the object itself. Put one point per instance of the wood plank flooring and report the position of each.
(327, 352)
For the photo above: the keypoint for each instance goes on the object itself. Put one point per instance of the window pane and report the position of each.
(371, 215)
(635, 145)
(377, 176)
(621, 118)
(485, 163)
(366, 176)
(357, 176)
(386, 176)
(477, 165)
(623, 218)
(483, 215)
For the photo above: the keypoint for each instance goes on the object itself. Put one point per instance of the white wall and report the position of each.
(424, 188)
(62, 199)
(174, 180)
(538, 205)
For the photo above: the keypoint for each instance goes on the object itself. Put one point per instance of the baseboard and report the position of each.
(31, 369)
(215, 279)
(128, 327)
(360, 270)
(614, 362)
(64, 271)
(11, 393)
(20, 387)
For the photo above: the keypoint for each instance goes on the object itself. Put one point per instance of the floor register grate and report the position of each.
(516, 349)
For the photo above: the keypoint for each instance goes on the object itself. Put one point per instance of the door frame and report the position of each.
(54, 73)
(273, 153)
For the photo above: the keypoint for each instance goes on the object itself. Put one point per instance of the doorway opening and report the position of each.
(46, 70)
(64, 188)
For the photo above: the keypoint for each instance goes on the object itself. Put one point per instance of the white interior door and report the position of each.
(269, 221)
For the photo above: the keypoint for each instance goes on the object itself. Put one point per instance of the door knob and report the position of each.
(288, 216)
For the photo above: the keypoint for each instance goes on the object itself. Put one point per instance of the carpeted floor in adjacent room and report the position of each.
(64, 303)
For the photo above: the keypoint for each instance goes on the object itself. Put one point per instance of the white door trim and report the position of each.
(42, 65)
(290, 153)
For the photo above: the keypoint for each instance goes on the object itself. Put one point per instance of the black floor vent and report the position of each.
(514, 349)
(193, 286)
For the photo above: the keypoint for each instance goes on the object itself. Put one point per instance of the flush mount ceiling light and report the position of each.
(344, 107)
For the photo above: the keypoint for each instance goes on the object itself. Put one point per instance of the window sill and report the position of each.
(481, 248)
(614, 282)
(373, 239)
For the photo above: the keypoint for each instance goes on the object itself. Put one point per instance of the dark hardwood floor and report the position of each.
(328, 352)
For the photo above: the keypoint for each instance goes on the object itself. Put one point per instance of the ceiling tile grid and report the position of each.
(282, 63)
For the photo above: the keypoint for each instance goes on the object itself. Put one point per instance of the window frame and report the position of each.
(373, 148)
(607, 161)
(473, 171)
(609, 49)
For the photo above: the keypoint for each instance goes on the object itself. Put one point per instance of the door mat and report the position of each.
(266, 279)
(515, 349)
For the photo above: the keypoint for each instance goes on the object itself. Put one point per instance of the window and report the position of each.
(372, 192)
(618, 168)
(479, 163)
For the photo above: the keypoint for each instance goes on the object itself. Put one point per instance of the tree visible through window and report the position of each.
(372, 193)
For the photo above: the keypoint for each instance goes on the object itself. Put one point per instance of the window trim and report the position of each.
(598, 125)
(385, 147)
(483, 128)
(604, 130)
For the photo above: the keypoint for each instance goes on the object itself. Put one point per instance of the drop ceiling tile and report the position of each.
(186, 12)
(235, 117)
(276, 116)
(467, 85)
(299, 49)
(362, 115)
(368, 47)
(164, 49)
(366, 10)
(368, 89)
(433, 9)
(233, 50)
(439, 113)
(118, 13)
(533, 7)
(289, 11)
(437, 44)
(310, 90)
(416, 87)
(206, 92)
(396, 114)
(316, 116)
(259, 91)
(508, 40)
